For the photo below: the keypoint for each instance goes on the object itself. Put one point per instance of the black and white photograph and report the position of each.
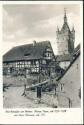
(41, 62)
(41, 56)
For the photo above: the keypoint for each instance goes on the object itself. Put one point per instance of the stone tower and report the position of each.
(65, 38)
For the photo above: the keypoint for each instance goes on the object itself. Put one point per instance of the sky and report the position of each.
(24, 23)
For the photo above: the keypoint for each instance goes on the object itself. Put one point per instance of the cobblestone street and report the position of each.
(13, 99)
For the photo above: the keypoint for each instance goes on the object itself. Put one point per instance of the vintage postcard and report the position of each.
(41, 61)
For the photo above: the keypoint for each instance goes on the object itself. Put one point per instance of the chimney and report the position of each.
(34, 43)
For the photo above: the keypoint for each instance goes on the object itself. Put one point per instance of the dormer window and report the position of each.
(27, 54)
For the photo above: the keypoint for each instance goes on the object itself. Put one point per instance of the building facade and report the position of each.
(64, 60)
(29, 59)
(69, 86)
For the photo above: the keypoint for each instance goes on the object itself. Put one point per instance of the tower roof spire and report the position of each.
(65, 17)
(65, 11)
(65, 26)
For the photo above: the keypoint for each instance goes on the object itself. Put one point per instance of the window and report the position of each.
(22, 65)
(17, 64)
(37, 62)
(27, 71)
(43, 61)
(47, 54)
(48, 49)
(35, 70)
(77, 66)
(26, 63)
(29, 62)
(20, 62)
(8, 70)
(62, 87)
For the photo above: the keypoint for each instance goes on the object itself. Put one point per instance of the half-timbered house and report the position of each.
(29, 59)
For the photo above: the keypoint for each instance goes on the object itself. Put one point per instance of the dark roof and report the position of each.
(26, 52)
(76, 50)
(62, 58)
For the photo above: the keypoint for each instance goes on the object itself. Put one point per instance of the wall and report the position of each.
(64, 64)
(65, 42)
(71, 85)
(62, 43)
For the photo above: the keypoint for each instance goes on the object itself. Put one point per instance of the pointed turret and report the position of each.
(65, 38)
(65, 26)
(57, 29)
(73, 34)
(73, 30)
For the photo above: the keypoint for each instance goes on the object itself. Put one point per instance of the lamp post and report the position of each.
(39, 88)
(24, 94)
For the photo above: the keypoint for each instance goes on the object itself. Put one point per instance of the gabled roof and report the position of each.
(26, 52)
